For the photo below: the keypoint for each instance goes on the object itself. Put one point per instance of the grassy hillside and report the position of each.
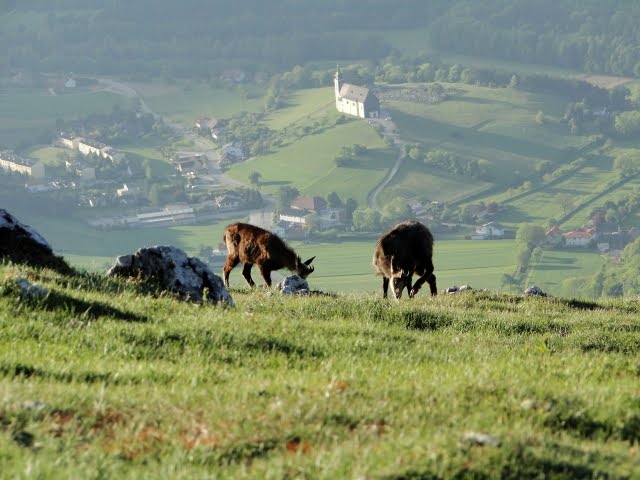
(102, 379)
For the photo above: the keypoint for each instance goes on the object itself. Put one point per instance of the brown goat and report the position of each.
(404, 250)
(253, 245)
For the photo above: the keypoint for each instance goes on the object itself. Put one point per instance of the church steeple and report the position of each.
(337, 83)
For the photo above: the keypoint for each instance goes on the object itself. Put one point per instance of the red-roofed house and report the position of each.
(579, 238)
(314, 204)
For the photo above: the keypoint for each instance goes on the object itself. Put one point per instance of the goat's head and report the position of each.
(400, 279)
(304, 269)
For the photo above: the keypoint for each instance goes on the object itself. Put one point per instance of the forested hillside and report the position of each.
(589, 35)
(198, 37)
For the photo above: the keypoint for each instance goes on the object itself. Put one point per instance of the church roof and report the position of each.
(354, 92)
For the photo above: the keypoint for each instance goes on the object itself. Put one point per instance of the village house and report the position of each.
(89, 147)
(205, 122)
(355, 100)
(616, 240)
(280, 228)
(14, 163)
(127, 191)
(331, 217)
(189, 162)
(314, 204)
(488, 231)
(579, 238)
(295, 215)
(229, 200)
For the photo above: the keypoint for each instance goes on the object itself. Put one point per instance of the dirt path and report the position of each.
(389, 130)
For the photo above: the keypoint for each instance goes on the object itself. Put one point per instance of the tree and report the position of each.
(530, 235)
(255, 178)
(350, 207)
(566, 201)
(628, 162)
(333, 200)
(366, 220)
(285, 196)
(396, 211)
(523, 255)
(628, 123)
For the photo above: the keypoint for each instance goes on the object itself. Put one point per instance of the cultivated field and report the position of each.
(102, 379)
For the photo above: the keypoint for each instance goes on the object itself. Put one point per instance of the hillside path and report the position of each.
(390, 130)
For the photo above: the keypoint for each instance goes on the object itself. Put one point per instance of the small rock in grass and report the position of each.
(30, 290)
(534, 290)
(294, 285)
(478, 438)
(35, 405)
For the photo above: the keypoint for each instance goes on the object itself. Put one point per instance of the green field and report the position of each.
(496, 125)
(555, 266)
(309, 163)
(185, 102)
(100, 379)
(414, 179)
(25, 113)
(302, 106)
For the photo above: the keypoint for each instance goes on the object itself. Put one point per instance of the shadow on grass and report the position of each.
(88, 310)
(275, 182)
(30, 371)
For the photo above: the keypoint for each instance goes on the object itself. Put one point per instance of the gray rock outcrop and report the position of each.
(21, 244)
(294, 285)
(534, 290)
(171, 269)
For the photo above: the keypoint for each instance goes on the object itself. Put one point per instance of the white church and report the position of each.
(355, 100)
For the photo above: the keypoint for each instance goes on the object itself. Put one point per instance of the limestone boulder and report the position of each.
(171, 269)
(293, 285)
(21, 244)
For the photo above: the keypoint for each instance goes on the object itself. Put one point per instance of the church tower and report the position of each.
(337, 83)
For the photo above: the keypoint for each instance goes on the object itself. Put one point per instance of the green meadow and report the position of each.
(309, 163)
(25, 113)
(103, 378)
(302, 106)
(185, 102)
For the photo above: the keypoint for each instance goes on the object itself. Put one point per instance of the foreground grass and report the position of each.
(102, 379)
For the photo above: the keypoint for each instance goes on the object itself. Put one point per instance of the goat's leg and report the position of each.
(246, 273)
(385, 286)
(266, 274)
(228, 266)
(427, 277)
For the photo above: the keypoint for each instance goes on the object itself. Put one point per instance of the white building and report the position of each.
(355, 100)
(578, 239)
(488, 230)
